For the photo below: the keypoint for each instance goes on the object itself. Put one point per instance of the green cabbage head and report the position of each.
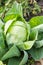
(16, 31)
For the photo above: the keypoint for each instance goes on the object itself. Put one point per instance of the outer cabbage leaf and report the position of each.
(33, 35)
(39, 43)
(28, 30)
(2, 52)
(19, 61)
(2, 43)
(12, 52)
(40, 36)
(36, 21)
(25, 45)
(38, 28)
(25, 58)
(36, 53)
(14, 60)
(14, 11)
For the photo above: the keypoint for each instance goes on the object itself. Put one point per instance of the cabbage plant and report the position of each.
(20, 39)
(17, 32)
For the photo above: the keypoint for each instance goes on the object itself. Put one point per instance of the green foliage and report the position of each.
(25, 45)
(39, 44)
(11, 53)
(15, 10)
(36, 21)
(2, 43)
(37, 25)
(20, 38)
(36, 53)
(25, 58)
(15, 61)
